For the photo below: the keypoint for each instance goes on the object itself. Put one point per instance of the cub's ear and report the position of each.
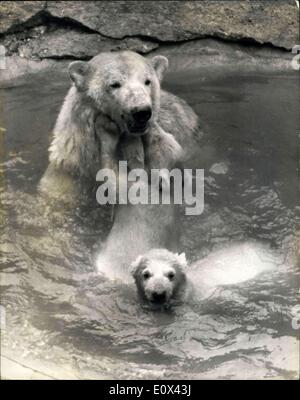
(182, 259)
(136, 266)
(78, 71)
(160, 65)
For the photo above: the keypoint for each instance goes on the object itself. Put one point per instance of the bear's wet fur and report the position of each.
(94, 114)
(164, 278)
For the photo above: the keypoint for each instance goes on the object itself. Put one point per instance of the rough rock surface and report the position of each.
(63, 42)
(81, 29)
(15, 14)
(273, 22)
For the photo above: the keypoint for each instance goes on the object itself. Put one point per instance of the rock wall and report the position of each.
(80, 29)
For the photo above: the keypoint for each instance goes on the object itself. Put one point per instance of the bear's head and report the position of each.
(123, 85)
(159, 276)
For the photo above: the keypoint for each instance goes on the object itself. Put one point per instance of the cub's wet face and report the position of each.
(124, 85)
(159, 276)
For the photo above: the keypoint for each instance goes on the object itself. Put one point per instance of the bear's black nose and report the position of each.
(158, 297)
(142, 115)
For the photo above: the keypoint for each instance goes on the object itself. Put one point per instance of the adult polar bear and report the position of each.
(124, 89)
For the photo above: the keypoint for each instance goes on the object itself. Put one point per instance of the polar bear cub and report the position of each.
(163, 277)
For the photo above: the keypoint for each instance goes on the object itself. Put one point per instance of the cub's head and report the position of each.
(123, 85)
(159, 276)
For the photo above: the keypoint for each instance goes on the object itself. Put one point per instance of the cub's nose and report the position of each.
(142, 115)
(158, 297)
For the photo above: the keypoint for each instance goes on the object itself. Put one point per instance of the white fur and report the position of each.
(231, 265)
(79, 149)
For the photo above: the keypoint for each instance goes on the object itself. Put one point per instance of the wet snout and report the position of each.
(158, 290)
(141, 115)
(138, 119)
(159, 297)
(139, 110)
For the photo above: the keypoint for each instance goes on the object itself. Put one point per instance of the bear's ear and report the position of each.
(135, 266)
(182, 259)
(160, 64)
(78, 71)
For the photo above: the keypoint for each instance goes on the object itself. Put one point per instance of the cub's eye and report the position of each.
(147, 82)
(146, 275)
(171, 275)
(115, 85)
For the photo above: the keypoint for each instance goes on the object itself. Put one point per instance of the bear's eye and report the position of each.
(115, 85)
(146, 275)
(147, 82)
(171, 275)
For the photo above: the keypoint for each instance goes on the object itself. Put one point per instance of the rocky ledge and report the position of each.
(81, 29)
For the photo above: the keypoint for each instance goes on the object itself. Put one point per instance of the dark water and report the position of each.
(64, 320)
